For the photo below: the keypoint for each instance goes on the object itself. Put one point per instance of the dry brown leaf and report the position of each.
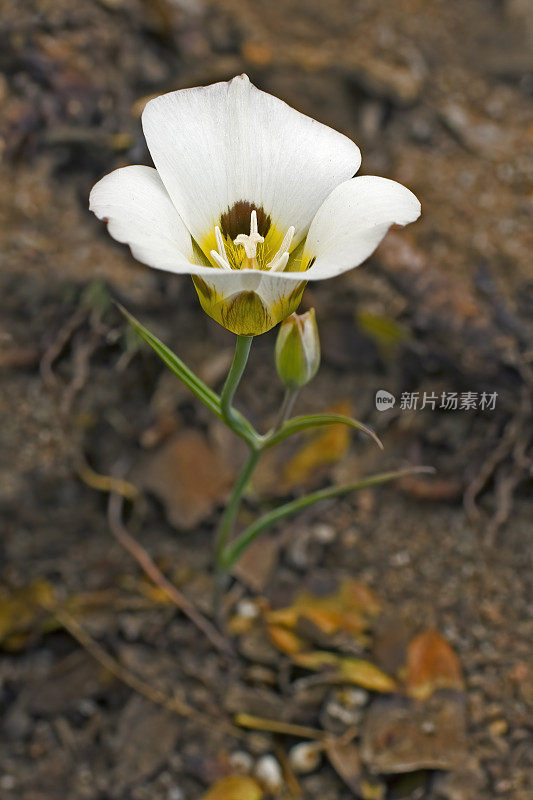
(304, 461)
(317, 660)
(347, 670)
(349, 609)
(325, 447)
(237, 625)
(20, 611)
(431, 665)
(345, 760)
(189, 476)
(285, 640)
(257, 563)
(365, 674)
(235, 787)
(404, 735)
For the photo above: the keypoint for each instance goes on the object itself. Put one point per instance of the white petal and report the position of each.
(139, 212)
(353, 220)
(214, 146)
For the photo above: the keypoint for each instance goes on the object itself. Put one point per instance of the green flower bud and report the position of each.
(298, 349)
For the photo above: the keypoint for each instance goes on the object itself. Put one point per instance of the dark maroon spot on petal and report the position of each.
(236, 220)
(310, 263)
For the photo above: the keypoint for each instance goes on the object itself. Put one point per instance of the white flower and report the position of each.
(251, 198)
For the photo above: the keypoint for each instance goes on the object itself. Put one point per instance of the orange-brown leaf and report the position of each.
(348, 609)
(285, 640)
(326, 447)
(365, 674)
(431, 664)
(316, 660)
(344, 669)
(235, 787)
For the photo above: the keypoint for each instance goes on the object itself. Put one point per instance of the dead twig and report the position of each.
(174, 704)
(138, 552)
(106, 483)
(507, 481)
(115, 667)
(512, 445)
(278, 726)
(490, 465)
(81, 358)
(63, 337)
(288, 773)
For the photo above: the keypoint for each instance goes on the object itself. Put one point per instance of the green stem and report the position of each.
(242, 351)
(232, 553)
(229, 415)
(286, 407)
(232, 508)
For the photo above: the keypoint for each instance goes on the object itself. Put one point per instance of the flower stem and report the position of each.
(242, 351)
(286, 407)
(232, 508)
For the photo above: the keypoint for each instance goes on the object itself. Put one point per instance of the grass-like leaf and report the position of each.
(235, 550)
(238, 423)
(299, 424)
(174, 363)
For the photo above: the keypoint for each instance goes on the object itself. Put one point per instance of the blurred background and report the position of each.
(438, 96)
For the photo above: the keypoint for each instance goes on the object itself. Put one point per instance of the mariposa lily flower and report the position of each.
(251, 198)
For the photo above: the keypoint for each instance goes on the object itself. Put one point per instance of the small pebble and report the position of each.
(304, 757)
(355, 698)
(176, 794)
(323, 533)
(247, 609)
(338, 711)
(400, 559)
(268, 773)
(7, 782)
(242, 762)
(498, 727)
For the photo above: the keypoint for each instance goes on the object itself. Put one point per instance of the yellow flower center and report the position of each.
(233, 257)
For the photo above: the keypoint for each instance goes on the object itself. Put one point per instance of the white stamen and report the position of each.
(220, 244)
(250, 242)
(217, 258)
(284, 246)
(220, 258)
(279, 264)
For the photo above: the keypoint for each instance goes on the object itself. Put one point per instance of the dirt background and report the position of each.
(438, 96)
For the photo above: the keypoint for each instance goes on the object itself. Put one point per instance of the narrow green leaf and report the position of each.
(174, 363)
(235, 550)
(238, 423)
(299, 424)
